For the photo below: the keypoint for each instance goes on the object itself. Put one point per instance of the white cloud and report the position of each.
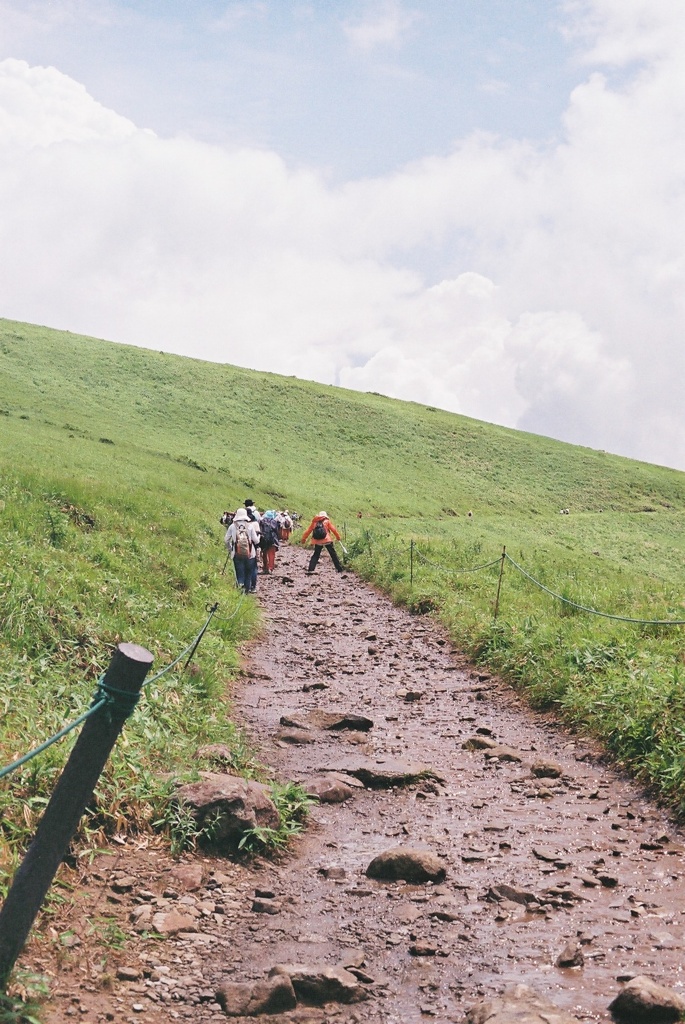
(386, 23)
(560, 291)
(41, 106)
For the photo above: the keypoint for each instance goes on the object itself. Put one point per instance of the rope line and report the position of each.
(559, 597)
(121, 702)
(444, 568)
(53, 739)
(593, 611)
(227, 618)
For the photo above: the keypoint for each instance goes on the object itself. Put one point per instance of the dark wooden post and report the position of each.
(123, 680)
(499, 581)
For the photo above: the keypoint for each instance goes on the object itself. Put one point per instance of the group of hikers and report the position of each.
(251, 532)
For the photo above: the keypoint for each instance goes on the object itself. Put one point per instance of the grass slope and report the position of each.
(116, 462)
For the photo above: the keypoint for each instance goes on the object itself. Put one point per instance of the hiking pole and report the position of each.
(225, 563)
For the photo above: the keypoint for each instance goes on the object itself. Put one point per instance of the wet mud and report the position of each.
(550, 856)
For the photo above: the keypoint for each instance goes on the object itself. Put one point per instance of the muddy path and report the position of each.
(585, 860)
(604, 863)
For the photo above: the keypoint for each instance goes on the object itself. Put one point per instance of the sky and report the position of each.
(473, 204)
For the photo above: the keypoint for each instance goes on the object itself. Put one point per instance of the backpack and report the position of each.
(319, 532)
(242, 541)
(269, 533)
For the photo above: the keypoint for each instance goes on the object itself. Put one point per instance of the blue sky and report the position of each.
(304, 79)
(477, 204)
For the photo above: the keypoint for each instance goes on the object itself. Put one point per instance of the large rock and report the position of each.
(643, 1001)
(510, 893)
(407, 863)
(320, 985)
(230, 804)
(518, 1005)
(249, 999)
(332, 720)
(388, 774)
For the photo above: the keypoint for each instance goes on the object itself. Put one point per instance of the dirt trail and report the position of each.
(599, 866)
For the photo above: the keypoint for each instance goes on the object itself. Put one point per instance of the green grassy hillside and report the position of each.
(115, 463)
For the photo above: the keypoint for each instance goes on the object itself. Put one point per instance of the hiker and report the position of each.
(269, 541)
(320, 530)
(285, 525)
(253, 513)
(242, 541)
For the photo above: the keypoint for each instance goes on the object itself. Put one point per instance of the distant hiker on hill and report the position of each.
(242, 541)
(320, 530)
(269, 541)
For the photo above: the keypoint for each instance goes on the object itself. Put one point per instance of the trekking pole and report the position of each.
(225, 563)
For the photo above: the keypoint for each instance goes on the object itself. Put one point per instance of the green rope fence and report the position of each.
(593, 611)
(559, 597)
(118, 700)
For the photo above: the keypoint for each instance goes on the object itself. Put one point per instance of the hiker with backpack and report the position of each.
(269, 540)
(242, 541)
(322, 531)
(285, 525)
(253, 513)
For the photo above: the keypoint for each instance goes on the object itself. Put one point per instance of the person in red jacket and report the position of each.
(322, 531)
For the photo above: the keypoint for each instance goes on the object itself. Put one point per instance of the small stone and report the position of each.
(189, 876)
(479, 743)
(546, 770)
(545, 853)
(503, 753)
(266, 907)
(498, 893)
(123, 884)
(407, 863)
(173, 923)
(571, 956)
(334, 872)
(128, 974)
(328, 790)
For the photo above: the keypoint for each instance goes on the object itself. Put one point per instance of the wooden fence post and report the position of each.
(123, 680)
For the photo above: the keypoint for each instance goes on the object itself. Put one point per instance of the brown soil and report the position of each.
(604, 864)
